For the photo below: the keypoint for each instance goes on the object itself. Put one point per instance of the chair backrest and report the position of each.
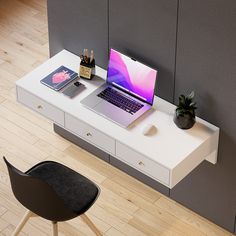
(37, 196)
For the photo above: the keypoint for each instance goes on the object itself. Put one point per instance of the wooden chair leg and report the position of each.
(54, 229)
(90, 224)
(25, 218)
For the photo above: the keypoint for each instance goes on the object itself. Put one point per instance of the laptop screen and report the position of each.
(131, 76)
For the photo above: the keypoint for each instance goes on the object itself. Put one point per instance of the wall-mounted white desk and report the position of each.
(167, 156)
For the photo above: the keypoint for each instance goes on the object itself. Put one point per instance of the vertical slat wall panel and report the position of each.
(78, 24)
(146, 30)
(206, 63)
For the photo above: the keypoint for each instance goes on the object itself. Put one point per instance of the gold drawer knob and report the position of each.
(89, 134)
(141, 163)
(40, 107)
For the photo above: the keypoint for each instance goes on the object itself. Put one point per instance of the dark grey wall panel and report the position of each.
(78, 24)
(206, 63)
(146, 30)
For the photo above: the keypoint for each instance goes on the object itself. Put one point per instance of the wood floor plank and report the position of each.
(5, 31)
(5, 83)
(3, 209)
(7, 76)
(23, 27)
(112, 199)
(29, 115)
(113, 232)
(8, 93)
(7, 196)
(151, 225)
(65, 229)
(15, 70)
(28, 228)
(189, 217)
(8, 201)
(42, 224)
(136, 186)
(30, 46)
(21, 8)
(37, 5)
(3, 224)
(22, 145)
(114, 221)
(149, 207)
(34, 129)
(9, 230)
(80, 225)
(11, 127)
(19, 158)
(16, 46)
(2, 99)
(128, 194)
(50, 149)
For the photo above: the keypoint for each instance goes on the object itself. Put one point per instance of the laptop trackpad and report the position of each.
(113, 112)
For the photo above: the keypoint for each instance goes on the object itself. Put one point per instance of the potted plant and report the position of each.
(185, 112)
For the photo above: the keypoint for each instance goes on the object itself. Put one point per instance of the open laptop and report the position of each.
(128, 92)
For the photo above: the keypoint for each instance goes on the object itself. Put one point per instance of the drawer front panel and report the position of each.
(39, 105)
(89, 133)
(142, 163)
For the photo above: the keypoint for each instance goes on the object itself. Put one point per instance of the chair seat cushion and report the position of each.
(77, 192)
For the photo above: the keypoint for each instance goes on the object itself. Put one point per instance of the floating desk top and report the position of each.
(176, 152)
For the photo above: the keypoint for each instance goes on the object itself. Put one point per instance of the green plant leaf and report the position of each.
(188, 102)
(179, 112)
(186, 105)
(191, 95)
(192, 104)
(181, 99)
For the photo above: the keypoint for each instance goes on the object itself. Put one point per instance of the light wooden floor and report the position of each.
(125, 206)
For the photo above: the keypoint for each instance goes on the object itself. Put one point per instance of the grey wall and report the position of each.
(206, 62)
(74, 25)
(202, 57)
(147, 32)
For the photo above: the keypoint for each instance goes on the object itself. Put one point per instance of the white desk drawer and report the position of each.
(39, 105)
(142, 163)
(90, 134)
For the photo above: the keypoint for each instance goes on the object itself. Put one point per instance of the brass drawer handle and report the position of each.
(40, 107)
(89, 134)
(141, 163)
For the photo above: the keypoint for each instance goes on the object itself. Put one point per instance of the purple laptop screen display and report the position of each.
(131, 76)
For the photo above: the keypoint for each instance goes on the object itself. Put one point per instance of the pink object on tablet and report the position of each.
(60, 77)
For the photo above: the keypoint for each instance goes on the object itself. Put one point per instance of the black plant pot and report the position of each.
(185, 121)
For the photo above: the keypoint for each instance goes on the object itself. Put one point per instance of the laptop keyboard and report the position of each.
(120, 100)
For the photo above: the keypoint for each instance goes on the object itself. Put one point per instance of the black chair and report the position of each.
(54, 192)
